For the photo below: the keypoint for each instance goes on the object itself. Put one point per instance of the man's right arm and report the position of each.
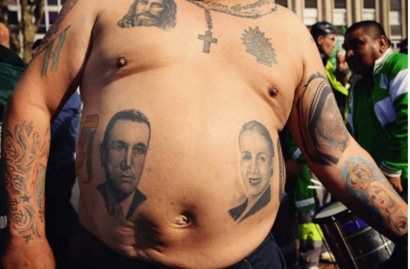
(51, 78)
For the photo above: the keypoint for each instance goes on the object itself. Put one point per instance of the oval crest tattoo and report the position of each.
(258, 45)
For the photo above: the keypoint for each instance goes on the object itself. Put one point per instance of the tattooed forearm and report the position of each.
(323, 132)
(85, 148)
(365, 183)
(258, 45)
(68, 6)
(24, 156)
(54, 52)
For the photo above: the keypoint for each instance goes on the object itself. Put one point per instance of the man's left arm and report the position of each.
(395, 162)
(344, 168)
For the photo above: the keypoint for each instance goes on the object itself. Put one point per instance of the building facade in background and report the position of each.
(392, 14)
(51, 9)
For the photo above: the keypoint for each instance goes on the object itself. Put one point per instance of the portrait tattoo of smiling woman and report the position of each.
(122, 153)
(257, 162)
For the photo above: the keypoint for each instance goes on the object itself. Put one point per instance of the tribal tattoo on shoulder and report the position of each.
(323, 132)
(158, 13)
(259, 46)
(23, 151)
(53, 52)
(85, 148)
(364, 182)
(68, 6)
(256, 169)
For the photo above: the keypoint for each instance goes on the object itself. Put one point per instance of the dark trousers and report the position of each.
(60, 216)
(87, 251)
(285, 230)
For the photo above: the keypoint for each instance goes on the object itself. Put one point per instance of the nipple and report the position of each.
(122, 61)
(273, 92)
(181, 220)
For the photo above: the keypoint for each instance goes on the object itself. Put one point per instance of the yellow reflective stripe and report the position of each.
(310, 231)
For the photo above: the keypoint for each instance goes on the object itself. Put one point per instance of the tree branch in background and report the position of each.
(31, 15)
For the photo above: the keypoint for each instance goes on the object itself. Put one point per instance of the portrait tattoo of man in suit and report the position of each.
(122, 153)
(159, 13)
(257, 160)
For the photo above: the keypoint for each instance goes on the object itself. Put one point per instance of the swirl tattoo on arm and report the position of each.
(24, 157)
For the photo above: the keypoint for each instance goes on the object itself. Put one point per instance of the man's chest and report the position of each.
(233, 38)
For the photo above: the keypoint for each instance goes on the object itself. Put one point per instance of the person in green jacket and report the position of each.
(378, 100)
(12, 68)
(307, 201)
(324, 35)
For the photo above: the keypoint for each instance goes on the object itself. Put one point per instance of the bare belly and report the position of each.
(198, 186)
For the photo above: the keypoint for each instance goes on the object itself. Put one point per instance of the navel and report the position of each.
(273, 92)
(181, 221)
(122, 61)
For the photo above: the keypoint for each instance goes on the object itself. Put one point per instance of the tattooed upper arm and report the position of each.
(321, 126)
(65, 47)
(53, 51)
(54, 29)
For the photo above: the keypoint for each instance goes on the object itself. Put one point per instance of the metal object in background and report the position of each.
(354, 243)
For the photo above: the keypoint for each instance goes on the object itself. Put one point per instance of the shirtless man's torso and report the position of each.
(178, 154)
(196, 103)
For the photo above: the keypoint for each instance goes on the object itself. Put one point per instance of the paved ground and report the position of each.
(323, 265)
(328, 266)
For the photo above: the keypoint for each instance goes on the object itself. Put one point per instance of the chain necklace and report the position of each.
(247, 15)
(207, 38)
